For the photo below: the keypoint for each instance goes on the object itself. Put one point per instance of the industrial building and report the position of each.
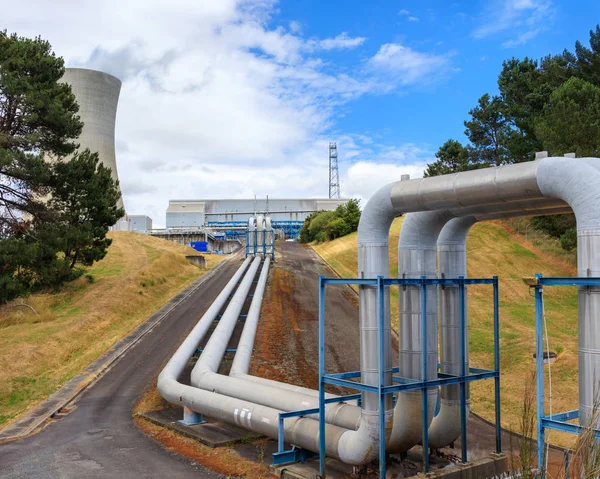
(287, 214)
(140, 223)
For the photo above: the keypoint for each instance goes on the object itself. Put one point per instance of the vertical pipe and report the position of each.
(424, 375)
(539, 375)
(321, 374)
(381, 371)
(463, 370)
(497, 366)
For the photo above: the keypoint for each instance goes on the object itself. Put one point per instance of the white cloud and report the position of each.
(408, 66)
(364, 178)
(342, 41)
(215, 101)
(521, 19)
(403, 12)
(413, 19)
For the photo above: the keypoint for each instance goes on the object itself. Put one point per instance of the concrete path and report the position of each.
(99, 438)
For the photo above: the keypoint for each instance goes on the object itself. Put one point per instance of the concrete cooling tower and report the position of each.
(97, 94)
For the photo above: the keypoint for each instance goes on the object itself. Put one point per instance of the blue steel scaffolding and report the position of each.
(351, 379)
(262, 247)
(291, 228)
(558, 421)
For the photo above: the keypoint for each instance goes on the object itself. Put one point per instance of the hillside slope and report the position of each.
(85, 318)
(494, 250)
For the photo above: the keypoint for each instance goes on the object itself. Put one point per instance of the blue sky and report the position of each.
(474, 37)
(235, 98)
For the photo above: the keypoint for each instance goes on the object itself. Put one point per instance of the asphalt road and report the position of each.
(99, 438)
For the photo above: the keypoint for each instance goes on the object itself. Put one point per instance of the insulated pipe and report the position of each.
(243, 355)
(416, 258)
(452, 263)
(352, 447)
(340, 414)
(461, 190)
(252, 235)
(577, 183)
(373, 261)
(209, 316)
(215, 348)
(260, 234)
(204, 375)
(268, 235)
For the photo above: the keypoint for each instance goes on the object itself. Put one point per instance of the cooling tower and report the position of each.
(97, 94)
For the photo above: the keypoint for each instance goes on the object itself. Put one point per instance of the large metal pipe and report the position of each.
(573, 182)
(352, 447)
(241, 361)
(578, 183)
(494, 186)
(260, 234)
(204, 374)
(251, 235)
(416, 258)
(268, 235)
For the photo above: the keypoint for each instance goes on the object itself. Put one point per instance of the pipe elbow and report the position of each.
(407, 430)
(445, 427)
(361, 447)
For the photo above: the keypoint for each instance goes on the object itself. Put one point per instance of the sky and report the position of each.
(236, 98)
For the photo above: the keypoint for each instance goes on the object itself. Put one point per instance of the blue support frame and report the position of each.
(352, 379)
(261, 248)
(559, 421)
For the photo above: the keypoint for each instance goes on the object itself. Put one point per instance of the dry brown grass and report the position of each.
(84, 319)
(224, 460)
(494, 250)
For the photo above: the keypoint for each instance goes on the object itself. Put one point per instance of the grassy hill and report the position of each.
(495, 250)
(85, 318)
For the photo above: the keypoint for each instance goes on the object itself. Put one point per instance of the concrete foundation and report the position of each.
(197, 260)
(212, 433)
(484, 468)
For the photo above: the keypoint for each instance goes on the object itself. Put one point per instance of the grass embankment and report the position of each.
(85, 318)
(494, 250)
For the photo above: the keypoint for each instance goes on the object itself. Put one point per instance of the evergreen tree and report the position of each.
(37, 117)
(488, 131)
(54, 213)
(570, 122)
(452, 157)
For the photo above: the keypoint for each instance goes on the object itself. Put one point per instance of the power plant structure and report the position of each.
(97, 94)
(396, 407)
(334, 174)
(287, 214)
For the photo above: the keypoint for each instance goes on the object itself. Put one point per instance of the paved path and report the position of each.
(99, 438)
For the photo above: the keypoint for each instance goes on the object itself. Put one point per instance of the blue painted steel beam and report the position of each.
(539, 371)
(497, 365)
(463, 369)
(424, 405)
(409, 281)
(400, 384)
(555, 281)
(564, 416)
(381, 368)
(321, 377)
(566, 427)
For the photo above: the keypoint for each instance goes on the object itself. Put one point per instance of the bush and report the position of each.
(327, 225)
(568, 239)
